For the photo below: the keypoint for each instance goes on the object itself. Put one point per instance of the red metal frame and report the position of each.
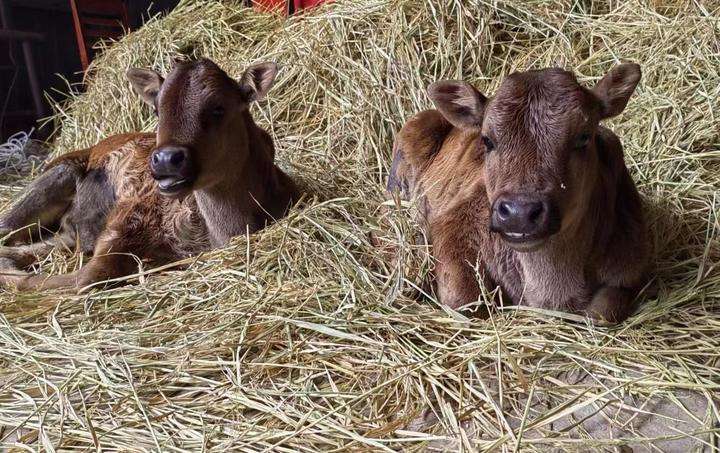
(286, 6)
(271, 5)
(304, 4)
(97, 19)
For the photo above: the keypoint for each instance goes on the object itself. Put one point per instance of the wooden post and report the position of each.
(29, 61)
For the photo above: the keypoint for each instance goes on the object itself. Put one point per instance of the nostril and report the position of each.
(535, 212)
(504, 210)
(177, 158)
(155, 159)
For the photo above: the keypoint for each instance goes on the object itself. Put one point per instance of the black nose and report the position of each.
(170, 161)
(522, 214)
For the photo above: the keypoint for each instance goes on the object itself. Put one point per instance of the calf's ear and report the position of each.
(257, 80)
(614, 90)
(459, 102)
(146, 83)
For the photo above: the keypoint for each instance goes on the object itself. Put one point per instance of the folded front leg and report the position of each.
(15, 260)
(611, 304)
(100, 268)
(456, 257)
(115, 255)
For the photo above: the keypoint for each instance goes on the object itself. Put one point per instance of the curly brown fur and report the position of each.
(537, 139)
(106, 197)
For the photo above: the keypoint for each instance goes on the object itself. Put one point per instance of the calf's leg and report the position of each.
(100, 268)
(130, 235)
(14, 260)
(112, 258)
(456, 281)
(611, 304)
(456, 253)
(46, 200)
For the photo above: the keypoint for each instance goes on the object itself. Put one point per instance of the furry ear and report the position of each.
(459, 102)
(146, 83)
(257, 80)
(615, 89)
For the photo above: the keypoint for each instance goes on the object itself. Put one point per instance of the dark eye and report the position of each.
(489, 145)
(218, 112)
(582, 141)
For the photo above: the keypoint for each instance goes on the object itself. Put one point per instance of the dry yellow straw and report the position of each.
(304, 337)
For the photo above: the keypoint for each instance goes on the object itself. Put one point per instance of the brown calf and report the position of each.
(205, 176)
(531, 185)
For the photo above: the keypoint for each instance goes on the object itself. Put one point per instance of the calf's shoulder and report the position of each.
(625, 240)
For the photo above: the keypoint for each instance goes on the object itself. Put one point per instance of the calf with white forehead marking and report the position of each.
(531, 186)
(206, 175)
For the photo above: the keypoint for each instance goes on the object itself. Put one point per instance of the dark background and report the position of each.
(57, 55)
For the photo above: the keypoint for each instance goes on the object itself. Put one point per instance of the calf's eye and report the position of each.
(489, 145)
(218, 112)
(582, 141)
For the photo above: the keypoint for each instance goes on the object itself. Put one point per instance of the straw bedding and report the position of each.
(305, 337)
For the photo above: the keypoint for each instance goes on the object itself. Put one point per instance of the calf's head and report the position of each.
(538, 138)
(202, 114)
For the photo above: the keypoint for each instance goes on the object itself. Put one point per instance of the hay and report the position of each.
(302, 337)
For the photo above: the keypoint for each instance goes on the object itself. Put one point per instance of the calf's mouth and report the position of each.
(173, 185)
(523, 242)
(525, 221)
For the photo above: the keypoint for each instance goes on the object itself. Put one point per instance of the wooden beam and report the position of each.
(6, 21)
(16, 35)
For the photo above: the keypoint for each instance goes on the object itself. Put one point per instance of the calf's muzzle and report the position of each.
(172, 168)
(524, 218)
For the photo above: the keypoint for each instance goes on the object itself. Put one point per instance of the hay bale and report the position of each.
(302, 337)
